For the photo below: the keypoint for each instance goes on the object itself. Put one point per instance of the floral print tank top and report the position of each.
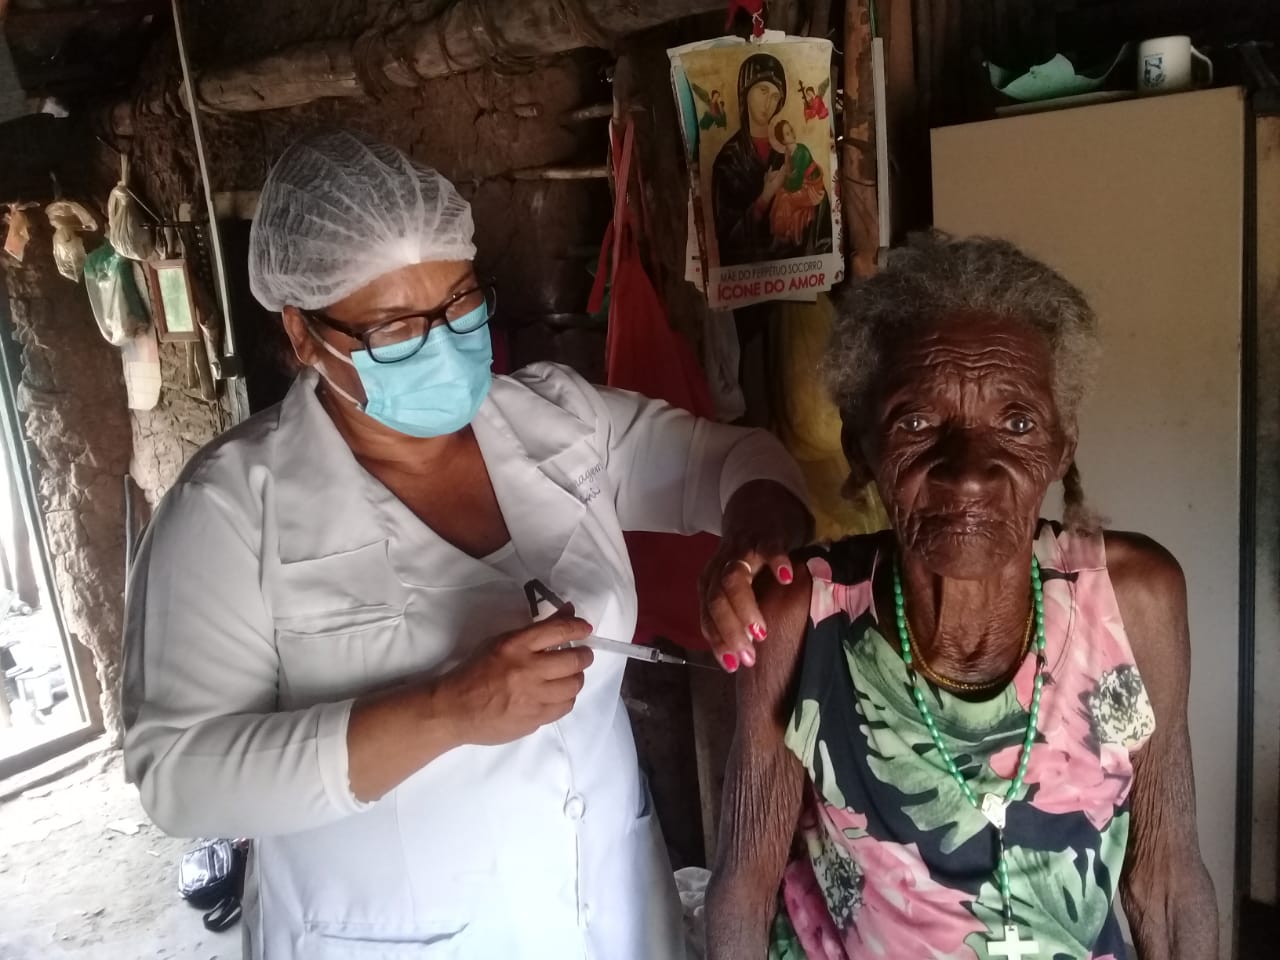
(890, 859)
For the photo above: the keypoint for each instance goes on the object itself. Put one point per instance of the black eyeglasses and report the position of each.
(401, 337)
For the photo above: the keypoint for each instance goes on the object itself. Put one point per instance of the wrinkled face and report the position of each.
(762, 102)
(963, 439)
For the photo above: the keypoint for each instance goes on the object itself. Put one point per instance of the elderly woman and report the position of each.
(966, 732)
(338, 641)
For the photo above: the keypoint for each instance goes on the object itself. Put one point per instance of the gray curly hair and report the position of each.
(935, 276)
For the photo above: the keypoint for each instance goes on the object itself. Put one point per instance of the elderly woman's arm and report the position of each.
(1166, 889)
(762, 789)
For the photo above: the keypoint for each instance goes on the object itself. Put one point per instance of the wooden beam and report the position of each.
(468, 35)
(298, 75)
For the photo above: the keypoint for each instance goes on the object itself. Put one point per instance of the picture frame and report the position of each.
(173, 308)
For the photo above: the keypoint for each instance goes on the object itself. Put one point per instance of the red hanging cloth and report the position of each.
(643, 353)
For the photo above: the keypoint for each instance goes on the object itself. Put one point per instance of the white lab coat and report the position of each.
(279, 580)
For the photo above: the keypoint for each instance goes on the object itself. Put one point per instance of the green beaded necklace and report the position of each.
(991, 806)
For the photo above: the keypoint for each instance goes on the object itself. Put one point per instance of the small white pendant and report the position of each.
(1012, 945)
(993, 808)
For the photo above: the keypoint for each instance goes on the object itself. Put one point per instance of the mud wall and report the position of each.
(71, 400)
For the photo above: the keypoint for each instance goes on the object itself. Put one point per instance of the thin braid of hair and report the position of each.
(1076, 515)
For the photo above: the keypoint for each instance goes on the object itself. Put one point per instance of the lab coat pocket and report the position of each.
(341, 583)
(331, 658)
(338, 620)
(345, 941)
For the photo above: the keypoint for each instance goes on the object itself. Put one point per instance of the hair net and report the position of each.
(338, 211)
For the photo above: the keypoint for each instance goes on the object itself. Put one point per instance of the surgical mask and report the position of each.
(434, 392)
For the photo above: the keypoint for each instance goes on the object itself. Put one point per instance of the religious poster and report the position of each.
(759, 133)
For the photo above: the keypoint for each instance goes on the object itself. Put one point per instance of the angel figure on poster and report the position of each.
(815, 102)
(796, 204)
(715, 115)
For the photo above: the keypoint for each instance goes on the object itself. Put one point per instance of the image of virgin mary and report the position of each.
(748, 172)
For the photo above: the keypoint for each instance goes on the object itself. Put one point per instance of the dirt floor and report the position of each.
(83, 874)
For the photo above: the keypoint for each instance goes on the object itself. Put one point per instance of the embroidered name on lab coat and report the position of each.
(588, 487)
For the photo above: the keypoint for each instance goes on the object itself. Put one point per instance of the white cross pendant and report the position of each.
(1012, 945)
(993, 808)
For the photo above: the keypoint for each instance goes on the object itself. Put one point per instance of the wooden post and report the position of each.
(1265, 759)
(785, 15)
(24, 574)
(18, 566)
(858, 151)
(820, 18)
(908, 133)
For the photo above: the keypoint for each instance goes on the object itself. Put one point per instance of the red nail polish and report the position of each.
(730, 662)
(785, 576)
(757, 631)
(748, 658)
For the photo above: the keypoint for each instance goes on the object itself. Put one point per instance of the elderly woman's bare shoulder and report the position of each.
(1151, 592)
(786, 607)
(1144, 571)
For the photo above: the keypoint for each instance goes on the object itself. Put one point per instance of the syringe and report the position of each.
(631, 650)
(538, 592)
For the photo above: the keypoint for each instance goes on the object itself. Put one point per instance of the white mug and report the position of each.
(1165, 64)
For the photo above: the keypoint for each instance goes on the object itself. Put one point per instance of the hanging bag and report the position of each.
(113, 297)
(19, 233)
(644, 354)
(129, 230)
(69, 219)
